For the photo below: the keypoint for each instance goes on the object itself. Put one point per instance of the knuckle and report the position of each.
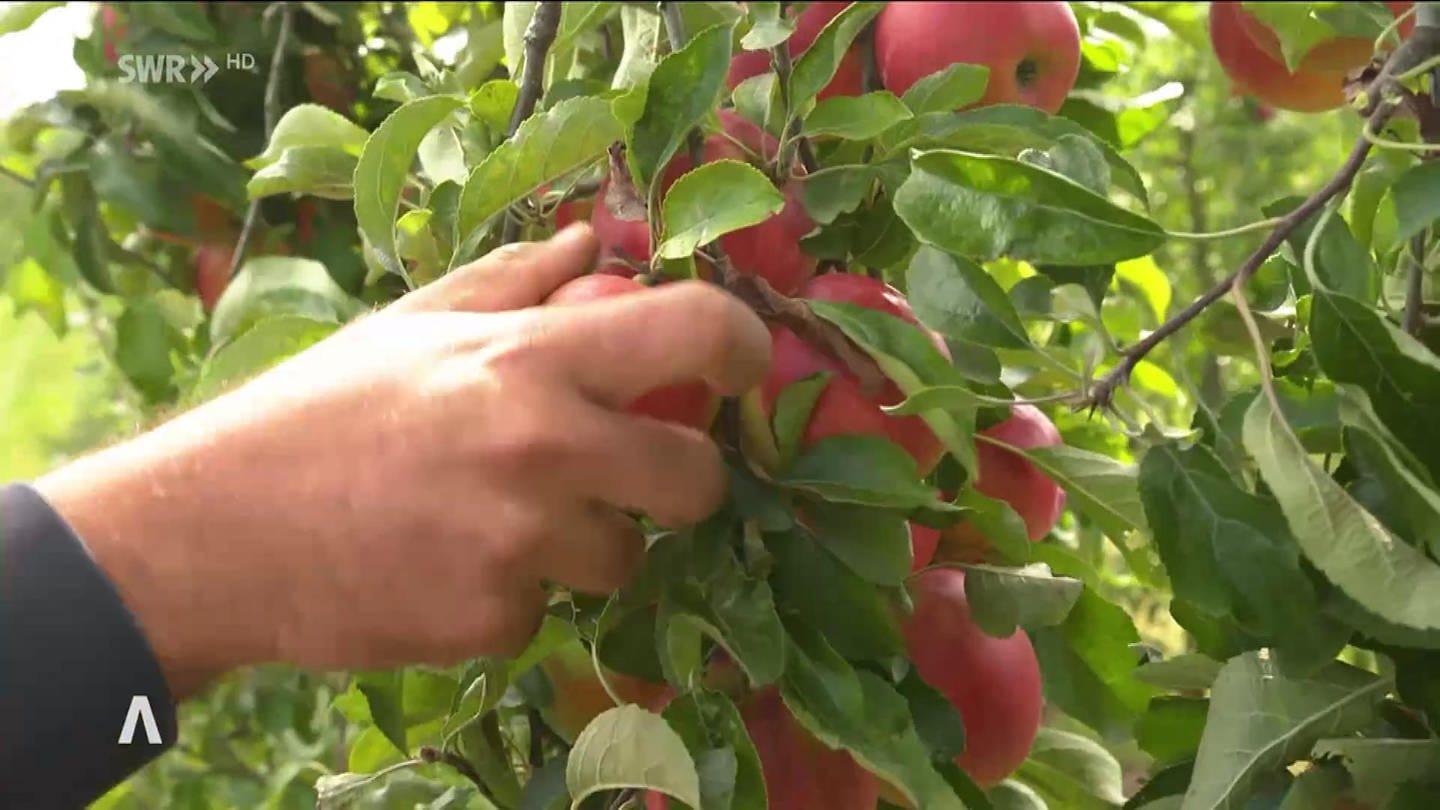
(518, 538)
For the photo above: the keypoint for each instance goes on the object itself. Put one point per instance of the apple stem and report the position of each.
(1102, 391)
(539, 36)
(273, 111)
(22, 180)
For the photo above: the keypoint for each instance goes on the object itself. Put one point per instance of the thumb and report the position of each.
(510, 277)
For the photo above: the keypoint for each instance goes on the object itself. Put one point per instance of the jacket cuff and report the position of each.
(83, 701)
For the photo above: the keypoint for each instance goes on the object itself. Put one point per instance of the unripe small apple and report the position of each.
(1031, 48)
(692, 404)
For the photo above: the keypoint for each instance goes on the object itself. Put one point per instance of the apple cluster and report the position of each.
(994, 683)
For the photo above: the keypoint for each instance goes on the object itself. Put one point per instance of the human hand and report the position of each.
(399, 492)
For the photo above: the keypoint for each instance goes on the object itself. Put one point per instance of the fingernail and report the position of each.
(573, 232)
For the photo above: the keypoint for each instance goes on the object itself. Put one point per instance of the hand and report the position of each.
(399, 492)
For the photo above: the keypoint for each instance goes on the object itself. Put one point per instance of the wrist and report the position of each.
(135, 508)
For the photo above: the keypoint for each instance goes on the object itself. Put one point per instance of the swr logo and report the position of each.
(166, 68)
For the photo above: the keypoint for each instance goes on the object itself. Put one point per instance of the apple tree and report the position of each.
(1096, 464)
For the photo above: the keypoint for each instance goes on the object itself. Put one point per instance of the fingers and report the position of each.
(596, 550)
(671, 473)
(512, 277)
(620, 348)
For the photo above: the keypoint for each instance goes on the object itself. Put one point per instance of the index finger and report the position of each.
(620, 348)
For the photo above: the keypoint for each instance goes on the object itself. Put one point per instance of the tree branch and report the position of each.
(21, 179)
(273, 112)
(1102, 392)
(539, 36)
(793, 142)
(1414, 318)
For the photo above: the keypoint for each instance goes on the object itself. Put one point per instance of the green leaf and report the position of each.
(1088, 663)
(861, 470)
(874, 543)
(909, 358)
(855, 118)
(792, 413)
(937, 721)
(713, 200)
(709, 723)
(986, 207)
(1299, 27)
(685, 86)
(822, 691)
(385, 694)
(1417, 200)
(1260, 720)
(1380, 766)
(1346, 543)
(998, 522)
(1187, 671)
(274, 285)
(642, 31)
(144, 342)
(836, 190)
(957, 298)
(768, 27)
(1415, 501)
(1354, 344)
(1002, 599)
(319, 171)
(399, 87)
(949, 88)
(1003, 129)
(548, 145)
(851, 613)
(1101, 488)
(1072, 771)
(1170, 729)
(816, 67)
(629, 747)
(707, 584)
(90, 242)
(258, 348)
(19, 16)
(1012, 795)
(492, 103)
(1230, 553)
(313, 126)
(384, 166)
(1341, 263)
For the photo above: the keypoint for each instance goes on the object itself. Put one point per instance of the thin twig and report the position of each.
(539, 36)
(22, 180)
(272, 117)
(537, 737)
(1414, 318)
(1102, 392)
(792, 142)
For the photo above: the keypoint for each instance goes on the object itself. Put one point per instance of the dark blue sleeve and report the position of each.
(73, 662)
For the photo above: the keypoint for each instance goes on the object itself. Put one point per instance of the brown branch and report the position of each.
(1414, 318)
(793, 143)
(1102, 392)
(21, 179)
(539, 36)
(273, 112)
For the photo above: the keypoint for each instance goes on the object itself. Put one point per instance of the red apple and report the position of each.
(212, 273)
(326, 82)
(849, 77)
(1031, 48)
(770, 250)
(1335, 54)
(579, 697)
(842, 408)
(1014, 479)
(113, 31)
(692, 404)
(1265, 77)
(993, 682)
(923, 542)
(801, 773)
